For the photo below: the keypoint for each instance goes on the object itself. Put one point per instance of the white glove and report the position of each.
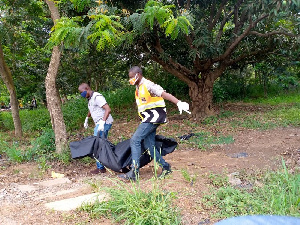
(183, 106)
(86, 123)
(101, 125)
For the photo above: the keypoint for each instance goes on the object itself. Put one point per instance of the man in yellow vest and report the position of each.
(152, 111)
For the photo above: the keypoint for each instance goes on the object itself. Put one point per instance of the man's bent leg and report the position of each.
(141, 132)
(149, 143)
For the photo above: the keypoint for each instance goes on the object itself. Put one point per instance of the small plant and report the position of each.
(14, 153)
(16, 171)
(43, 166)
(189, 178)
(218, 180)
(64, 157)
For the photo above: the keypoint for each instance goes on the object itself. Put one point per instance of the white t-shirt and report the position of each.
(96, 102)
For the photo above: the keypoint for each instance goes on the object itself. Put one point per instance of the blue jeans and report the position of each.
(106, 129)
(146, 132)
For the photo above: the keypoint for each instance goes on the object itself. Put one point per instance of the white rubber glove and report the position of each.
(86, 124)
(101, 125)
(183, 106)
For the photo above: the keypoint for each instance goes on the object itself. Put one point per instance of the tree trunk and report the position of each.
(201, 94)
(52, 94)
(8, 81)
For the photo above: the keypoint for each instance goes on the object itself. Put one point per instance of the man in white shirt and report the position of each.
(99, 110)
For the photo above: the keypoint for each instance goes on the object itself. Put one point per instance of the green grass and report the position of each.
(253, 121)
(40, 147)
(290, 98)
(32, 120)
(205, 140)
(287, 116)
(74, 112)
(278, 117)
(129, 204)
(279, 195)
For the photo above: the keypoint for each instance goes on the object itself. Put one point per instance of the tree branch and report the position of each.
(176, 69)
(170, 65)
(217, 17)
(188, 5)
(238, 24)
(239, 39)
(254, 53)
(225, 19)
(190, 42)
(212, 9)
(273, 33)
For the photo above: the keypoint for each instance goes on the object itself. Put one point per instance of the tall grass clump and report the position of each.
(129, 204)
(279, 195)
(13, 152)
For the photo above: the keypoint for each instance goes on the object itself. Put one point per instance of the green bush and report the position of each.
(14, 153)
(74, 113)
(6, 120)
(35, 120)
(120, 98)
(42, 146)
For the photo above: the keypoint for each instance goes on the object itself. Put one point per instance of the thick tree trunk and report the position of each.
(201, 94)
(52, 94)
(8, 81)
(54, 102)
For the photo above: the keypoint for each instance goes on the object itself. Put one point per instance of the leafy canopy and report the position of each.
(105, 27)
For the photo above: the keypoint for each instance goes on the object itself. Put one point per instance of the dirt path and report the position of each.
(24, 191)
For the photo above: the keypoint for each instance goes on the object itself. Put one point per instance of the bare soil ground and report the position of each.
(264, 151)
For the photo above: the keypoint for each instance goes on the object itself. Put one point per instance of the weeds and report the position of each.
(41, 150)
(206, 140)
(188, 177)
(218, 180)
(278, 196)
(129, 204)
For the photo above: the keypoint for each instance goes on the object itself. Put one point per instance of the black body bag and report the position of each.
(118, 157)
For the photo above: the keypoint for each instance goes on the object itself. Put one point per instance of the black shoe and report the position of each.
(165, 171)
(131, 175)
(125, 170)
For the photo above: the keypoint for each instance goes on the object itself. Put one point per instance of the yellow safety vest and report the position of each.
(150, 109)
